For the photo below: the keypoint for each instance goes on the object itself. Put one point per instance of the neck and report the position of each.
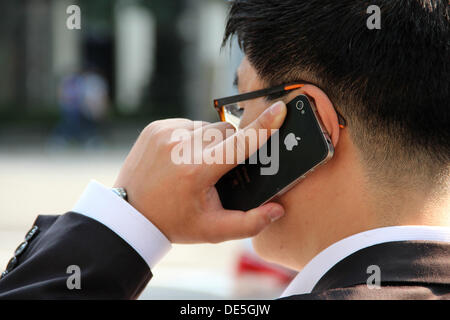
(357, 206)
(420, 206)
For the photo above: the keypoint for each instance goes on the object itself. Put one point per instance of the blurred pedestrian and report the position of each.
(83, 101)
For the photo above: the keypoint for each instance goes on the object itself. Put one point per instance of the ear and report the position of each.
(326, 111)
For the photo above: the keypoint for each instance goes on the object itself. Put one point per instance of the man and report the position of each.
(380, 207)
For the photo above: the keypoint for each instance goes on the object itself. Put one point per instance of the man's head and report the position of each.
(392, 87)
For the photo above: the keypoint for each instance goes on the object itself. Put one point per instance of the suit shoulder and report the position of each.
(391, 292)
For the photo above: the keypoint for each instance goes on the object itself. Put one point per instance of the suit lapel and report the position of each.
(400, 263)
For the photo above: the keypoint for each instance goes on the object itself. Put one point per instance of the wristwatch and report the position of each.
(121, 192)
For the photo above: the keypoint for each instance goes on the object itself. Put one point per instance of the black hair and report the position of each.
(391, 84)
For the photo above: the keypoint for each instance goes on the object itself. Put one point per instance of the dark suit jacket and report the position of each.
(111, 269)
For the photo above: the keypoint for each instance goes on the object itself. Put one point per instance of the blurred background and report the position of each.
(73, 101)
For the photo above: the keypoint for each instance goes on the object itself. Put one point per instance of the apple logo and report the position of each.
(291, 141)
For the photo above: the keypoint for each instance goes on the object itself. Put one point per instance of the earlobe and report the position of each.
(326, 111)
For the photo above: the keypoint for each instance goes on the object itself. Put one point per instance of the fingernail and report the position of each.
(276, 108)
(276, 213)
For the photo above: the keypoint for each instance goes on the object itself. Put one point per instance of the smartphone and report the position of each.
(297, 148)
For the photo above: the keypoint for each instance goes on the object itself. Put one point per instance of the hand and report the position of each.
(180, 199)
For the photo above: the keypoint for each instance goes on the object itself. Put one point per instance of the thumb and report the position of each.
(261, 128)
(231, 225)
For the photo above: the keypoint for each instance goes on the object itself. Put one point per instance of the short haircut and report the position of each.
(391, 84)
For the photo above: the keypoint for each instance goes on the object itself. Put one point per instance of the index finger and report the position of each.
(239, 143)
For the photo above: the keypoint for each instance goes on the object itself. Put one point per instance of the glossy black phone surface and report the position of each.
(246, 186)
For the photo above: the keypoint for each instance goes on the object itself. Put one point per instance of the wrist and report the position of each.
(133, 197)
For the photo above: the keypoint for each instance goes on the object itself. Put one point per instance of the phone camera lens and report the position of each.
(300, 105)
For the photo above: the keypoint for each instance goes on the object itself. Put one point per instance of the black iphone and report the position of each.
(298, 147)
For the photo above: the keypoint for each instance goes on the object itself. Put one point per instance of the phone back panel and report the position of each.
(302, 145)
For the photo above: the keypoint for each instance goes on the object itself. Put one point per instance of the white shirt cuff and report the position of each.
(103, 205)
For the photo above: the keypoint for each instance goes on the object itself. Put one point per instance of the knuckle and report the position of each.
(189, 171)
(258, 225)
(168, 145)
(226, 126)
(155, 124)
(163, 131)
(162, 134)
(151, 128)
(263, 121)
(146, 131)
(266, 120)
(253, 230)
(240, 144)
(259, 122)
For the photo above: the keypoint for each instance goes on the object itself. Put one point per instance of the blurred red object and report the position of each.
(251, 264)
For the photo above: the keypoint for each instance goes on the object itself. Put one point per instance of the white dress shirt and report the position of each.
(101, 204)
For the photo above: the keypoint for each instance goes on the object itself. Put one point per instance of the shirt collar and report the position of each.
(306, 279)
